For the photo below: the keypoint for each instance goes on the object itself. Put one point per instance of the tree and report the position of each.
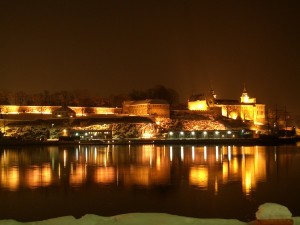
(20, 98)
(4, 97)
(157, 92)
(117, 100)
(137, 95)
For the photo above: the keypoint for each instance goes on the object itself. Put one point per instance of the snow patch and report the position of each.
(273, 211)
(10, 222)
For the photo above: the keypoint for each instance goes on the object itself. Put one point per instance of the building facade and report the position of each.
(148, 107)
(63, 112)
(91, 134)
(245, 109)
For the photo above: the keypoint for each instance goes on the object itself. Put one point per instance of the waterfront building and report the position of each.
(90, 134)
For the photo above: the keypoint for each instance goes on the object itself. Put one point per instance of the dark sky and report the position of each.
(112, 47)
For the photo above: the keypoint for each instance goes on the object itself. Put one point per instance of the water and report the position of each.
(38, 183)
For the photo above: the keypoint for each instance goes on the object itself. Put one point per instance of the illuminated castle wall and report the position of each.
(197, 102)
(148, 107)
(245, 109)
(80, 111)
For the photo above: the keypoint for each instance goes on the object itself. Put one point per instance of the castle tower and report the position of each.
(211, 98)
(212, 92)
(245, 97)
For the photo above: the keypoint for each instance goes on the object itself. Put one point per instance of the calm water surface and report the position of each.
(38, 183)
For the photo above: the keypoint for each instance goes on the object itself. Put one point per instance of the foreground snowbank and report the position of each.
(267, 211)
(129, 219)
(135, 219)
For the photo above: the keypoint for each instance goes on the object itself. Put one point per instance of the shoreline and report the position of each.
(209, 141)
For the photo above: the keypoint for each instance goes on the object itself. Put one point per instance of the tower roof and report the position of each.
(245, 94)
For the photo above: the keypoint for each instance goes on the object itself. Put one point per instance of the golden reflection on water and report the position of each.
(78, 174)
(10, 178)
(104, 175)
(199, 176)
(204, 167)
(38, 176)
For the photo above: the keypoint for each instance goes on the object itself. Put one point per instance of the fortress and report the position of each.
(246, 109)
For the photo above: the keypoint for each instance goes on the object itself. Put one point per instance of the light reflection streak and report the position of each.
(216, 186)
(105, 159)
(86, 154)
(150, 158)
(193, 153)
(243, 152)
(225, 172)
(222, 154)
(59, 171)
(229, 153)
(65, 158)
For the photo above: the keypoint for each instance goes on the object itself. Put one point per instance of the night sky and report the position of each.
(111, 47)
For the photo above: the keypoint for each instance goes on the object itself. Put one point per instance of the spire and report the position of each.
(212, 92)
(244, 97)
(245, 94)
(245, 90)
(210, 86)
